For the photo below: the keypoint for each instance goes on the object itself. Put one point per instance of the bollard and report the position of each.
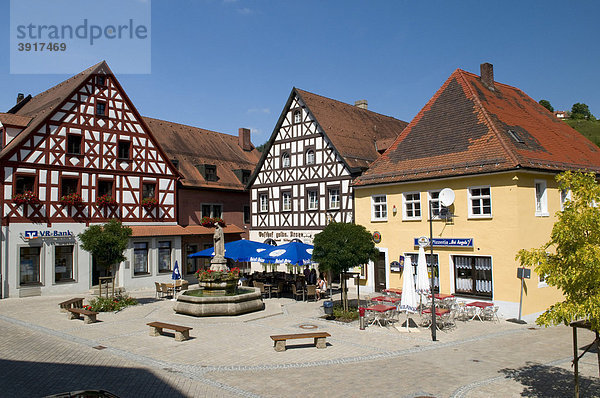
(361, 316)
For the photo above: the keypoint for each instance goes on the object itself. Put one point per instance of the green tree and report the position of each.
(580, 111)
(106, 242)
(341, 246)
(571, 259)
(546, 104)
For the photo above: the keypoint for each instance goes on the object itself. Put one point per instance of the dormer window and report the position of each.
(210, 172)
(297, 116)
(100, 109)
(310, 156)
(285, 160)
(73, 144)
(245, 176)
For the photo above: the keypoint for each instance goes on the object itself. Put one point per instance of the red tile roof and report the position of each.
(466, 128)
(192, 146)
(8, 119)
(353, 131)
(178, 230)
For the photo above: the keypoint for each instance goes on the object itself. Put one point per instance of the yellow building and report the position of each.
(499, 152)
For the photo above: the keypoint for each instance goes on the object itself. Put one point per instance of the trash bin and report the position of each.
(328, 308)
(361, 315)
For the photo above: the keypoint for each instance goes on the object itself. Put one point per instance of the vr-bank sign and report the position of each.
(450, 242)
(29, 235)
(67, 36)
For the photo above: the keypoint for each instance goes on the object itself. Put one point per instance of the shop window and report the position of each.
(63, 263)
(412, 205)
(140, 258)
(191, 263)
(73, 144)
(264, 202)
(473, 276)
(313, 201)
(541, 199)
(164, 256)
(480, 202)
(334, 198)
(124, 148)
(246, 214)
(29, 265)
(24, 183)
(378, 208)
(414, 259)
(286, 201)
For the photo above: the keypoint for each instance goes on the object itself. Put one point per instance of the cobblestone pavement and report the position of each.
(42, 353)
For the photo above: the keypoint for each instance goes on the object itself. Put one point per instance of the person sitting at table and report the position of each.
(306, 272)
(321, 287)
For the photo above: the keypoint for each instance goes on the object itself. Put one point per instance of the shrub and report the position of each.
(107, 304)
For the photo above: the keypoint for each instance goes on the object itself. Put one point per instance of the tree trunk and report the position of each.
(598, 351)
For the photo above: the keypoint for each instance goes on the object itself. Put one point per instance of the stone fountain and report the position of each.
(218, 298)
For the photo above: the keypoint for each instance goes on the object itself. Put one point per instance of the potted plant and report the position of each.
(27, 197)
(218, 282)
(149, 203)
(106, 200)
(207, 222)
(219, 220)
(72, 199)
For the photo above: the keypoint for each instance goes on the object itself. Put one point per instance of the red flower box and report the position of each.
(27, 197)
(72, 199)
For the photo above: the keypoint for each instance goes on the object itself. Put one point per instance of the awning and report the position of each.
(178, 230)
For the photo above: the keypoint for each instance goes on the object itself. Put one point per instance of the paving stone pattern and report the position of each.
(42, 353)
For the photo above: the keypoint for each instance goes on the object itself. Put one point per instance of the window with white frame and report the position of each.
(334, 198)
(434, 203)
(379, 208)
(480, 202)
(541, 199)
(313, 201)
(310, 156)
(286, 201)
(297, 116)
(412, 205)
(264, 202)
(285, 160)
(565, 195)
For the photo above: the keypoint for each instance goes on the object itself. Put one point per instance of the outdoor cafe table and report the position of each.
(393, 300)
(381, 312)
(442, 296)
(438, 311)
(393, 290)
(480, 306)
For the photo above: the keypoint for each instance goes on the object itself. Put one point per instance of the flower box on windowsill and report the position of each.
(72, 199)
(149, 203)
(106, 201)
(209, 222)
(26, 198)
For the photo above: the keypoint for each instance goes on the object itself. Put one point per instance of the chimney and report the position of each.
(362, 104)
(244, 139)
(20, 97)
(487, 75)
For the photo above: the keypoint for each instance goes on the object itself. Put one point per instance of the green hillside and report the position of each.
(591, 129)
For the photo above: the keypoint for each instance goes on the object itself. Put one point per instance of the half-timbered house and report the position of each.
(74, 155)
(303, 180)
(216, 168)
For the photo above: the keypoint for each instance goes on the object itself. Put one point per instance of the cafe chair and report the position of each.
(159, 292)
(490, 314)
(278, 289)
(167, 291)
(261, 286)
(311, 290)
(298, 292)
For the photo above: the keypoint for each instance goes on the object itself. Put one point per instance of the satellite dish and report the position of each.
(446, 197)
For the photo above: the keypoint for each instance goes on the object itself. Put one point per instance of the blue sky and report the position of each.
(225, 64)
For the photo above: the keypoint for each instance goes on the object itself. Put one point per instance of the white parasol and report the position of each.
(408, 303)
(422, 286)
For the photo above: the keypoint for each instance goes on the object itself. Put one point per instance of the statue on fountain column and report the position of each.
(219, 262)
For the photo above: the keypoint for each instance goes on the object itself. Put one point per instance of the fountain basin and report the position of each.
(211, 305)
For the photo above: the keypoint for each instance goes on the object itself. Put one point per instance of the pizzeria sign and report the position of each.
(450, 242)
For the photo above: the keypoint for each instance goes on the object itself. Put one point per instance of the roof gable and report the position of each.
(464, 129)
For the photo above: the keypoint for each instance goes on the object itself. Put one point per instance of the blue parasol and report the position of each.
(239, 250)
(296, 253)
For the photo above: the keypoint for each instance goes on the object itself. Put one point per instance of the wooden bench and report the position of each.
(72, 303)
(280, 339)
(182, 333)
(88, 316)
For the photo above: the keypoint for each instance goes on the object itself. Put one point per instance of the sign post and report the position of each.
(522, 273)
